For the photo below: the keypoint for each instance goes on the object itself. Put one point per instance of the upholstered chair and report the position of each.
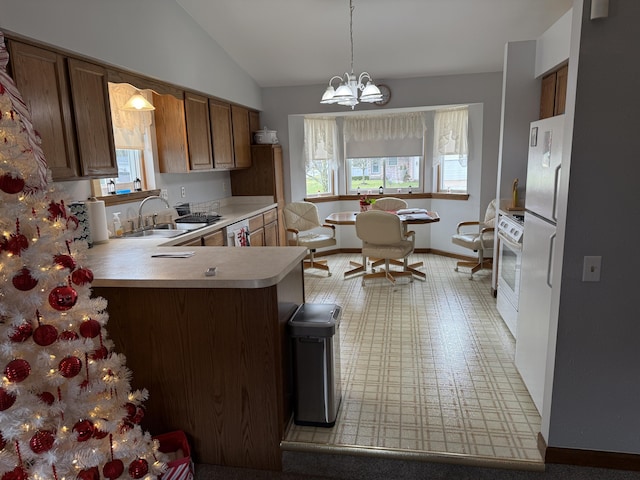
(389, 204)
(477, 235)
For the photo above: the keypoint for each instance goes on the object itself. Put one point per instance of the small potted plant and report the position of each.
(366, 202)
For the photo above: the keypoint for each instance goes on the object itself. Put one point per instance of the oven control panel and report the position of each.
(510, 228)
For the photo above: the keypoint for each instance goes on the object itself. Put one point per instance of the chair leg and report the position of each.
(389, 274)
(474, 266)
(311, 262)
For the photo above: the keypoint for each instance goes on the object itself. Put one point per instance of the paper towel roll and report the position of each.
(97, 221)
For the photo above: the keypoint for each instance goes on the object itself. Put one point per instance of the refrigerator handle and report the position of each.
(556, 187)
(552, 242)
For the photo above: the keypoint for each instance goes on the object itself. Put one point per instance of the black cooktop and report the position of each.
(195, 218)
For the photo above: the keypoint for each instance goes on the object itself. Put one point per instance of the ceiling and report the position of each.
(305, 42)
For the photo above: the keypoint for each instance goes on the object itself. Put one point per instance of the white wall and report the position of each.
(596, 393)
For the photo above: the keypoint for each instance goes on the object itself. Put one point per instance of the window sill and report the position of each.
(121, 198)
(406, 196)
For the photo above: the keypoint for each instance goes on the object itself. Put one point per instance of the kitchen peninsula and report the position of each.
(212, 351)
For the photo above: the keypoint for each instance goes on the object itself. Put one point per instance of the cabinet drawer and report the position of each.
(270, 216)
(215, 239)
(255, 223)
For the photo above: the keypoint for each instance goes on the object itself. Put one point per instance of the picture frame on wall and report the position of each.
(533, 140)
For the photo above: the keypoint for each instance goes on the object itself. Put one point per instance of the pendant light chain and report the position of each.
(351, 7)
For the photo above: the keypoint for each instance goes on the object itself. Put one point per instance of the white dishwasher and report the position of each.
(237, 234)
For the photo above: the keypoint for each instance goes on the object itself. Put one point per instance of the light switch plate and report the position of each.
(591, 269)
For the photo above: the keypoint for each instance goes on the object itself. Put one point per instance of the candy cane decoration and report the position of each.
(7, 84)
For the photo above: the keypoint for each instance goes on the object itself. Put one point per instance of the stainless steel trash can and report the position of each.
(314, 330)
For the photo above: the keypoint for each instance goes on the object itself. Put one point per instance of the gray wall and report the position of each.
(279, 103)
(595, 401)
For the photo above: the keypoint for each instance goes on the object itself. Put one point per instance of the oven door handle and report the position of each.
(511, 243)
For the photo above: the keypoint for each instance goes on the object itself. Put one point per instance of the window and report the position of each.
(384, 151)
(450, 149)
(130, 168)
(393, 174)
(320, 157)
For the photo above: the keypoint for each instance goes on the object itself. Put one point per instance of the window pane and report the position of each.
(392, 173)
(129, 168)
(453, 173)
(319, 178)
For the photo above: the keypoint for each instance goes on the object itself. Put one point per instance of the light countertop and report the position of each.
(126, 262)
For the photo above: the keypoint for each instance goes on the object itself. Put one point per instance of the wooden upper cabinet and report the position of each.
(171, 134)
(36, 71)
(241, 136)
(554, 93)
(222, 134)
(94, 131)
(198, 131)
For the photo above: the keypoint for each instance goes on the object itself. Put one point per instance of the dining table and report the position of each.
(415, 217)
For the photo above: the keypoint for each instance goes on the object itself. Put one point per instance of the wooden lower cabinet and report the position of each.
(215, 239)
(216, 363)
(263, 229)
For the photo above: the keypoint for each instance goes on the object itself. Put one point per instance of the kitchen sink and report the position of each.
(154, 232)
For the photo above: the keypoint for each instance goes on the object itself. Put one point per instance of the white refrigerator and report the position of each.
(538, 249)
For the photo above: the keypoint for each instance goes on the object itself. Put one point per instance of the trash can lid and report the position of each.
(315, 320)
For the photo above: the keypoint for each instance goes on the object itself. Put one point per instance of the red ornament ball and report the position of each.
(47, 397)
(137, 418)
(16, 243)
(65, 261)
(138, 468)
(70, 366)
(23, 280)
(113, 469)
(131, 410)
(84, 429)
(45, 335)
(11, 184)
(7, 399)
(99, 434)
(68, 335)
(100, 353)
(17, 473)
(89, 474)
(21, 333)
(17, 370)
(42, 441)
(90, 328)
(82, 276)
(63, 298)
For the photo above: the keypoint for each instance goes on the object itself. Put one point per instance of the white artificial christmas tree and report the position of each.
(66, 408)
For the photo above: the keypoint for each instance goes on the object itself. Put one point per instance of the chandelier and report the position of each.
(347, 92)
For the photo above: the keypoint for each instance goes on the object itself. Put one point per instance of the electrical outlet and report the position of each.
(164, 194)
(591, 269)
(183, 192)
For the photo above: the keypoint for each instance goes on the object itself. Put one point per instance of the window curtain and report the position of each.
(320, 140)
(128, 127)
(392, 135)
(450, 133)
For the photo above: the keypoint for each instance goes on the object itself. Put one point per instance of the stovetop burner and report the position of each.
(195, 218)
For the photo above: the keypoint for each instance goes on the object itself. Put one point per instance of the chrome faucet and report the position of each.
(151, 197)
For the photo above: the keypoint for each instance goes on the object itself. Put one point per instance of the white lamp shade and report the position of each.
(138, 103)
(327, 97)
(371, 93)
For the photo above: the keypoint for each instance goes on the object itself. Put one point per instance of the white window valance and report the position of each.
(128, 127)
(384, 127)
(451, 132)
(320, 139)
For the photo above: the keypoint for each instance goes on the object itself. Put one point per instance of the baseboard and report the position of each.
(588, 458)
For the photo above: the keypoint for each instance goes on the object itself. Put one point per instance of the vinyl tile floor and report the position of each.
(426, 367)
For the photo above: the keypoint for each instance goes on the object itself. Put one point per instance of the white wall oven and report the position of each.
(510, 235)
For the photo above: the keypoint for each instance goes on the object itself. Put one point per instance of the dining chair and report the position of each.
(383, 237)
(389, 204)
(477, 235)
(304, 229)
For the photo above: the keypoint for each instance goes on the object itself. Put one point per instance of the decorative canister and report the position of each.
(265, 136)
(79, 210)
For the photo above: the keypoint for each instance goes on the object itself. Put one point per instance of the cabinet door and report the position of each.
(222, 135)
(271, 234)
(561, 90)
(257, 238)
(41, 77)
(241, 136)
(547, 96)
(90, 96)
(171, 134)
(198, 131)
(196, 242)
(215, 239)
